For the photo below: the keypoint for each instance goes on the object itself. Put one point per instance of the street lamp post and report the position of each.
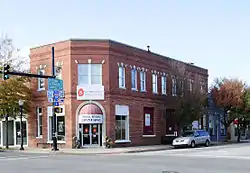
(21, 123)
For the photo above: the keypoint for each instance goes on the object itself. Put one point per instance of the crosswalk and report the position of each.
(21, 157)
(229, 152)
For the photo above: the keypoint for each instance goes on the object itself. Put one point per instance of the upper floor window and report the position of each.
(134, 79)
(174, 86)
(143, 80)
(202, 88)
(121, 77)
(190, 85)
(154, 83)
(90, 74)
(58, 70)
(41, 81)
(181, 87)
(164, 85)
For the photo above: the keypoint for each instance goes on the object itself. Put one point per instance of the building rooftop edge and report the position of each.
(117, 42)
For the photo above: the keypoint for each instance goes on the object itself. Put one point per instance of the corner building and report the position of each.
(111, 89)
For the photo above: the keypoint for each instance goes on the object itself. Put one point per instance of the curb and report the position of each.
(141, 151)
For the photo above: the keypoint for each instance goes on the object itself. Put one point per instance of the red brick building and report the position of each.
(111, 89)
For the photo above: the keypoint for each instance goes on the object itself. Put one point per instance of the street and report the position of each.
(218, 159)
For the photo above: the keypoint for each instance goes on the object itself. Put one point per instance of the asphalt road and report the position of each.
(223, 159)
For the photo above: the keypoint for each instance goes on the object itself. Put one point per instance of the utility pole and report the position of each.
(54, 126)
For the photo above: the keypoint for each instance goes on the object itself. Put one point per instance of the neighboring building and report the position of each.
(216, 128)
(111, 89)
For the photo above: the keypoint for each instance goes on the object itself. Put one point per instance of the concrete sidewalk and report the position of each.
(100, 150)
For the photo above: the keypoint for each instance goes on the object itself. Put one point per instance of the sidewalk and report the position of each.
(100, 150)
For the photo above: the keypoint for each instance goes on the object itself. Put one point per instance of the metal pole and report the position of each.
(21, 126)
(217, 122)
(54, 129)
(7, 127)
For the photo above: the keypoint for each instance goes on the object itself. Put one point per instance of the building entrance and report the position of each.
(90, 134)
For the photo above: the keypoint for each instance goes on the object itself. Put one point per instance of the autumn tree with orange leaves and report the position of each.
(232, 96)
(228, 94)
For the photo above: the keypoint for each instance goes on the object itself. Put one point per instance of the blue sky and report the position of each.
(212, 34)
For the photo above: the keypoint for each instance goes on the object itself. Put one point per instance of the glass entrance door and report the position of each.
(90, 134)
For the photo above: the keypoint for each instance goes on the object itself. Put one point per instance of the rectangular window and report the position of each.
(39, 121)
(90, 74)
(60, 121)
(190, 85)
(154, 83)
(174, 86)
(143, 80)
(121, 77)
(120, 130)
(134, 79)
(41, 81)
(164, 85)
(121, 123)
(148, 121)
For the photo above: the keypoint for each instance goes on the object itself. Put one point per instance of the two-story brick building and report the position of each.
(111, 89)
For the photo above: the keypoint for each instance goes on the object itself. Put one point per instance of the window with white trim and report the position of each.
(174, 86)
(41, 81)
(60, 121)
(39, 122)
(190, 85)
(134, 79)
(90, 74)
(121, 77)
(143, 80)
(154, 83)
(164, 85)
(121, 123)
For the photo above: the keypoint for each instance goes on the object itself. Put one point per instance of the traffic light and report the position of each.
(6, 70)
(58, 110)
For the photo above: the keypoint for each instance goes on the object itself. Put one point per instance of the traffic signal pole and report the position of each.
(54, 126)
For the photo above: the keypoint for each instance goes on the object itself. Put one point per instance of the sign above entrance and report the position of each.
(90, 92)
(90, 119)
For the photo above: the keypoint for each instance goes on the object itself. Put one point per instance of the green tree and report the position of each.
(190, 107)
(15, 88)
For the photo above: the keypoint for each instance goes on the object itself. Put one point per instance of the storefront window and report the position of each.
(60, 121)
(18, 132)
(120, 130)
(121, 122)
(60, 128)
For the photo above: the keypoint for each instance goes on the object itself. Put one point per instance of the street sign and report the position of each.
(50, 99)
(50, 94)
(56, 103)
(56, 98)
(61, 94)
(55, 84)
(56, 92)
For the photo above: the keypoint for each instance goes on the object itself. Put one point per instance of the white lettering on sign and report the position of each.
(90, 119)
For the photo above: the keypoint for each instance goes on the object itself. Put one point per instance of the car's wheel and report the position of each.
(207, 143)
(192, 144)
